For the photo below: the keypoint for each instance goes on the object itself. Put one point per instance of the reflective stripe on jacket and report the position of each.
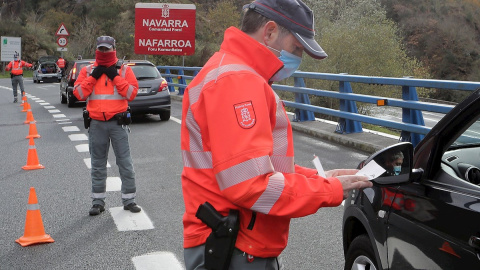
(105, 97)
(17, 67)
(237, 149)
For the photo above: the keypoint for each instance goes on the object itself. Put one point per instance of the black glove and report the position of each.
(98, 71)
(111, 72)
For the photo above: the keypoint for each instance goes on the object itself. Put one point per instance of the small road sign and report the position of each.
(62, 41)
(62, 31)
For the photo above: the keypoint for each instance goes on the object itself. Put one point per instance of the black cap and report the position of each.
(295, 16)
(105, 41)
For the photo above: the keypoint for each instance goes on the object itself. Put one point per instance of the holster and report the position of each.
(221, 242)
(86, 118)
(124, 118)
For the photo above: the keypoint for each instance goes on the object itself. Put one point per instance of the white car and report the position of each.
(46, 70)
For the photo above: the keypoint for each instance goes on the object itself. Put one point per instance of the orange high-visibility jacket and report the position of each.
(106, 97)
(17, 67)
(237, 149)
(61, 62)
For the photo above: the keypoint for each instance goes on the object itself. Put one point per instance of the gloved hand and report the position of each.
(98, 71)
(111, 72)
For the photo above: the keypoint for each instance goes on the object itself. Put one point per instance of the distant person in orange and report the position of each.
(61, 64)
(16, 66)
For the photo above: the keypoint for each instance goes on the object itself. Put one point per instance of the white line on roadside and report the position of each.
(82, 148)
(157, 261)
(78, 137)
(70, 128)
(88, 162)
(128, 221)
(114, 183)
(58, 115)
(176, 120)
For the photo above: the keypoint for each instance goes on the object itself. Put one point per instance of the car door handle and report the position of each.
(474, 242)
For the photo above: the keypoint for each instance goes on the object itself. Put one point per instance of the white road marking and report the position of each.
(61, 120)
(176, 120)
(45, 103)
(157, 261)
(40, 101)
(49, 107)
(63, 123)
(88, 162)
(128, 221)
(34, 98)
(78, 137)
(114, 183)
(70, 128)
(58, 115)
(54, 111)
(82, 148)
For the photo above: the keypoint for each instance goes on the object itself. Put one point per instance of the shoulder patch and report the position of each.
(245, 114)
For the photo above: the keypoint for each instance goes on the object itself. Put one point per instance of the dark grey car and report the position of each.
(153, 96)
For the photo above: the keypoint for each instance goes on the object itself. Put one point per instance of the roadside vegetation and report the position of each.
(434, 39)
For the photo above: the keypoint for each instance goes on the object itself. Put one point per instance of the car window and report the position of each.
(143, 72)
(461, 159)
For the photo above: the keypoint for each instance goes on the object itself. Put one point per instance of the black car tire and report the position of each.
(360, 254)
(70, 101)
(164, 116)
(63, 99)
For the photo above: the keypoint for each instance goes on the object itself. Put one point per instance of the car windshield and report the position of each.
(145, 72)
(470, 137)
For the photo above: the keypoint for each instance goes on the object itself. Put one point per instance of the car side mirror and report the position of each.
(397, 161)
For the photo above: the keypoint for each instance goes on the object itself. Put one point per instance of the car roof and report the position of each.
(143, 62)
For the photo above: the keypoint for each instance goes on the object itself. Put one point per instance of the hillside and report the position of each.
(442, 34)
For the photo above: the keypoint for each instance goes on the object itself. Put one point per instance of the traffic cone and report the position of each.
(34, 232)
(32, 158)
(24, 99)
(26, 106)
(33, 133)
(29, 116)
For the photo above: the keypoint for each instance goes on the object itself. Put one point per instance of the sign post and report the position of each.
(166, 29)
(9, 46)
(62, 41)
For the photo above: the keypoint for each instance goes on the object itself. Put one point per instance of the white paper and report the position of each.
(318, 166)
(372, 170)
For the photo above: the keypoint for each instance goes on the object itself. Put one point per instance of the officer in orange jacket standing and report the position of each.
(240, 184)
(61, 64)
(108, 86)
(16, 66)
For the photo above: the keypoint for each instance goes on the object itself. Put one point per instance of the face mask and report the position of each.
(291, 63)
(397, 169)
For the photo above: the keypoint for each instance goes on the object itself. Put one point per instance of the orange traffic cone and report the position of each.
(24, 99)
(34, 232)
(26, 106)
(33, 133)
(29, 116)
(32, 158)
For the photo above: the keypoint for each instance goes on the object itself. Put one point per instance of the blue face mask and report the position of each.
(291, 63)
(397, 170)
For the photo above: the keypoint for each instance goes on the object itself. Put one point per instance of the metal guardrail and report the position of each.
(412, 126)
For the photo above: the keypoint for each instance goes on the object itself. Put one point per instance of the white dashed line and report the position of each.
(114, 184)
(157, 261)
(82, 148)
(88, 162)
(128, 221)
(176, 120)
(78, 137)
(70, 128)
(54, 111)
(45, 103)
(58, 115)
(49, 107)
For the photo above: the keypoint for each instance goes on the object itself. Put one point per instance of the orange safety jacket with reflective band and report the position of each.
(237, 149)
(17, 67)
(106, 97)
(61, 63)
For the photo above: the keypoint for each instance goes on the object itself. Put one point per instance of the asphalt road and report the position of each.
(112, 240)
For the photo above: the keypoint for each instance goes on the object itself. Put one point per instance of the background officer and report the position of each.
(16, 66)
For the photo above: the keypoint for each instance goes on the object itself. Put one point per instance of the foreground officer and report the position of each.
(239, 173)
(108, 86)
(16, 66)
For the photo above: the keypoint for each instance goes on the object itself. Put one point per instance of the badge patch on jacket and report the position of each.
(245, 114)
